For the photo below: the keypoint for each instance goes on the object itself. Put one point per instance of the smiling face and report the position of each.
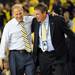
(18, 13)
(40, 12)
(40, 15)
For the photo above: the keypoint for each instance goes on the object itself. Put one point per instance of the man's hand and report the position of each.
(54, 14)
(32, 35)
(1, 64)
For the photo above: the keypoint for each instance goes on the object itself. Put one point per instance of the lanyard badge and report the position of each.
(44, 43)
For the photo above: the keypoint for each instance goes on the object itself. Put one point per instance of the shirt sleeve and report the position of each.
(4, 42)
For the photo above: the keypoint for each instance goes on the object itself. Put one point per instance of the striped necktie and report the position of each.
(25, 37)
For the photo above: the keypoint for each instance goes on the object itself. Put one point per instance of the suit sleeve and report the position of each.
(34, 21)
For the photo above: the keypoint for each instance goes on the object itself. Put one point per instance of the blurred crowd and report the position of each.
(66, 8)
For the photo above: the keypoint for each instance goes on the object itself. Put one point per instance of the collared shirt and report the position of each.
(12, 38)
(48, 34)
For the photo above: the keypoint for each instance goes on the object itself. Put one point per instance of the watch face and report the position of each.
(44, 45)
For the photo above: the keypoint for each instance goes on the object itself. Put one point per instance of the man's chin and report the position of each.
(19, 20)
(38, 20)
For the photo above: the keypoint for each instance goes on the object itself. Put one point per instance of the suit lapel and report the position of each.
(37, 29)
(51, 25)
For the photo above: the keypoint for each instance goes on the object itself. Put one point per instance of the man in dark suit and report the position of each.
(50, 47)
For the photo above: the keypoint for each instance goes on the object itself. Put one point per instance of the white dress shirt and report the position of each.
(48, 36)
(12, 37)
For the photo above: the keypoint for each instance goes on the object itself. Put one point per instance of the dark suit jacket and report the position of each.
(57, 29)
